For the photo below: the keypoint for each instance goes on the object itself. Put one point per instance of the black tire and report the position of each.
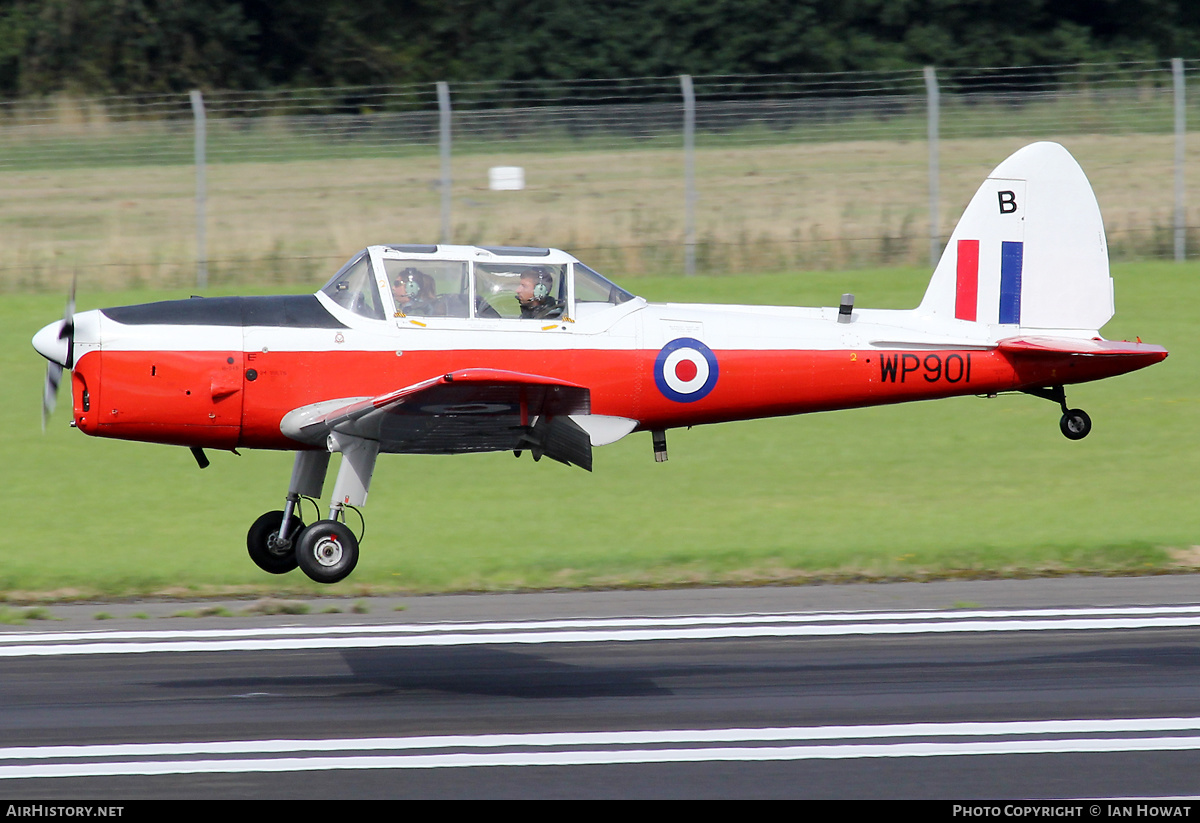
(1075, 424)
(327, 551)
(261, 544)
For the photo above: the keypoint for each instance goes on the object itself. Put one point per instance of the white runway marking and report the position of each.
(606, 748)
(599, 630)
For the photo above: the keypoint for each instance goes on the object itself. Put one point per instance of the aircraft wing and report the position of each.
(470, 410)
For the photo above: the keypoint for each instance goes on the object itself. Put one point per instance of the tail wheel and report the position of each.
(266, 550)
(327, 551)
(1075, 424)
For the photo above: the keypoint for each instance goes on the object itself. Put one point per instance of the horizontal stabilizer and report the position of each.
(1073, 359)
(1074, 345)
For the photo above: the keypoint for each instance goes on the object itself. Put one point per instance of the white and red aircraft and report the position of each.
(423, 350)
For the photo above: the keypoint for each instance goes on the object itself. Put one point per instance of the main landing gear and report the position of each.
(267, 550)
(327, 550)
(1074, 423)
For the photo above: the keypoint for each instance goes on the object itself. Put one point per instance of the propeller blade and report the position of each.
(54, 374)
(54, 370)
(68, 327)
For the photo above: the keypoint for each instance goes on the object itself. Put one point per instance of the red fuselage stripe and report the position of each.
(202, 399)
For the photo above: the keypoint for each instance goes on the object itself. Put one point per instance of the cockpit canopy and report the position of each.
(470, 282)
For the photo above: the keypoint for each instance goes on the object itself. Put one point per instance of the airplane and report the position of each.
(444, 349)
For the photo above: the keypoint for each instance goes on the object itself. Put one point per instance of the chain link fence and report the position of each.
(780, 172)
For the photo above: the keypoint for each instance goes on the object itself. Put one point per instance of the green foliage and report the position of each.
(94, 46)
(139, 46)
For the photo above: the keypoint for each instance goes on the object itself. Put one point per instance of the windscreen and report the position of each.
(353, 288)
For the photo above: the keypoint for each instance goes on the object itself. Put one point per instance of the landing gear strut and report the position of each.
(1074, 423)
(326, 551)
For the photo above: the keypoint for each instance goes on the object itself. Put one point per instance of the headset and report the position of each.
(408, 279)
(545, 282)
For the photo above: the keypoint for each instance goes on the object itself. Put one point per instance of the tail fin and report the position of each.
(1029, 250)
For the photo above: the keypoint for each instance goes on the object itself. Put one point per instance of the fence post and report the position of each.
(443, 96)
(201, 194)
(689, 174)
(931, 95)
(1180, 134)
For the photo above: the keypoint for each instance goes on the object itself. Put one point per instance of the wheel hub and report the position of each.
(328, 551)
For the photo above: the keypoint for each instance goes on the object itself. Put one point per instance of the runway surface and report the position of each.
(1014, 689)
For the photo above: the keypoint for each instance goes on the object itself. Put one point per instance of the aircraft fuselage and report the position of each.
(142, 374)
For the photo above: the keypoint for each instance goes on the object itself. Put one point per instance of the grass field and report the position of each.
(965, 486)
(761, 207)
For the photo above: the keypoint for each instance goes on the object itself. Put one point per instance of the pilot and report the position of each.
(414, 292)
(534, 294)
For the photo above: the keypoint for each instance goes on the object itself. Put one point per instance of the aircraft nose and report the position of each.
(50, 343)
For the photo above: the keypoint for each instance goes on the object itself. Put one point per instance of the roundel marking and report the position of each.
(685, 370)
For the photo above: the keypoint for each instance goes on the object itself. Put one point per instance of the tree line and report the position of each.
(152, 46)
